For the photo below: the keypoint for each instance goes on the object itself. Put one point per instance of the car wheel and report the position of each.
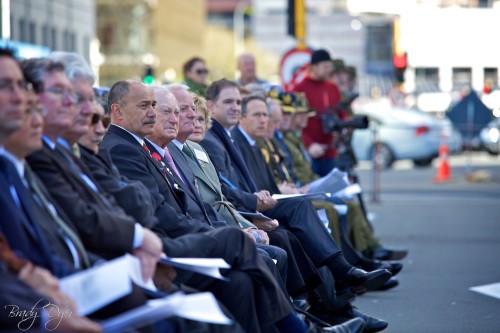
(424, 162)
(385, 156)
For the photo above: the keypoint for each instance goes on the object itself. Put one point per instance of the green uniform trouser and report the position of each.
(333, 219)
(360, 232)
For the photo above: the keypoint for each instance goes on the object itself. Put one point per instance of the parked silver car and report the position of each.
(403, 134)
(490, 137)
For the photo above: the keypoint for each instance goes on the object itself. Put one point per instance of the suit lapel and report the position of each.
(235, 155)
(202, 174)
(178, 195)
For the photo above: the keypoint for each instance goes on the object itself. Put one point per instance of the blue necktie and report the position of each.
(25, 209)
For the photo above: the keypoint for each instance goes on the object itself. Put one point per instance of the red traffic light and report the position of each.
(400, 61)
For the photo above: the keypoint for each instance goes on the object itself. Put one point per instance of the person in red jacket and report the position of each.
(323, 96)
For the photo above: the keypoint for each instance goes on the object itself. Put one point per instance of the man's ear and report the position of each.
(116, 111)
(210, 106)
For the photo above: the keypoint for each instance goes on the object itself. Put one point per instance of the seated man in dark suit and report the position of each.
(296, 215)
(323, 297)
(296, 282)
(133, 117)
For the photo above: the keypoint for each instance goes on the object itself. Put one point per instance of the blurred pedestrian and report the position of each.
(323, 96)
(195, 75)
(247, 69)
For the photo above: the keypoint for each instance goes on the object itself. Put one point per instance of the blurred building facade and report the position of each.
(448, 43)
(35, 27)
(137, 34)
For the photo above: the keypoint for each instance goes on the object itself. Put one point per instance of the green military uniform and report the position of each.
(210, 188)
(274, 158)
(358, 228)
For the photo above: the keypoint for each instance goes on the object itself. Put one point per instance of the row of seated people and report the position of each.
(70, 201)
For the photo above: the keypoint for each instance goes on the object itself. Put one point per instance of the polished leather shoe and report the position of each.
(370, 265)
(391, 283)
(384, 253)
(372, 324)
(360, 281)
(393, 267)
(356, 325)
(346, 313)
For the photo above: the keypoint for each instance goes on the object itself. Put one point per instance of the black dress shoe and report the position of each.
(356, 325)
(393, 267)
(372, 324)
(391, 283)
(344, 314)
(370, 265)
(359, 281)
(383, 253)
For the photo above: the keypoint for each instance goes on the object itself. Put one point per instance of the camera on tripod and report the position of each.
(332, 123)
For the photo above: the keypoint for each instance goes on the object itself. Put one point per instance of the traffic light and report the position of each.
(400, 62)
(296, 19)
(149, 75)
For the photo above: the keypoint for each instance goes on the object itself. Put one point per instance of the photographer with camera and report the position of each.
(323, 96)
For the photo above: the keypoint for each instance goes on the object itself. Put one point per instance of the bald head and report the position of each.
(132, 106)
(246, 66)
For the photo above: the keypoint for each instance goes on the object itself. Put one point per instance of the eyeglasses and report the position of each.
(202, 71)
(9, 85)
(96, 117)
(64, 93)
(80, 99)
(34, 110)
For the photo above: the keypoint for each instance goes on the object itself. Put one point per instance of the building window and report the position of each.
(86, 48)
(32, 33)
(23, 31)
(45, 36)
(491, 75)
(53, 38)
(72, 42)
(426, 79)
(379, 49)
(462, 78)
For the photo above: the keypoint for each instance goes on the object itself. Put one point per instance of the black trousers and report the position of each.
(299, 217)
(252, 294)
(302, 274)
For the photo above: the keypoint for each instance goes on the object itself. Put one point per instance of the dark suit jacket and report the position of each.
(23, 232)
(222, 152)
(131, 195)
(96, 218)
(135, 163)
(297, 215)
(255, 162)
(194, 205)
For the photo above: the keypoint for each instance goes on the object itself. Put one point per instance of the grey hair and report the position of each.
(34, 70)
(176, 86)
(270, 102)
(74, 64)
(256, 89)
(161, 90)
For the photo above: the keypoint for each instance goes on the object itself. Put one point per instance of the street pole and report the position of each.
(239, 27)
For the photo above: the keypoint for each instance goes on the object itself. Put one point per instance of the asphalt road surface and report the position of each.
(452, 231)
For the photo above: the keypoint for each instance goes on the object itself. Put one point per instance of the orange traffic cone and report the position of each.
(444, 171)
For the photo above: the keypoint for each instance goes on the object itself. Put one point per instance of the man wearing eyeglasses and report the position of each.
(93, 212)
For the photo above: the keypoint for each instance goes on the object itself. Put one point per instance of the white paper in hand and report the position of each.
(206, 266)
